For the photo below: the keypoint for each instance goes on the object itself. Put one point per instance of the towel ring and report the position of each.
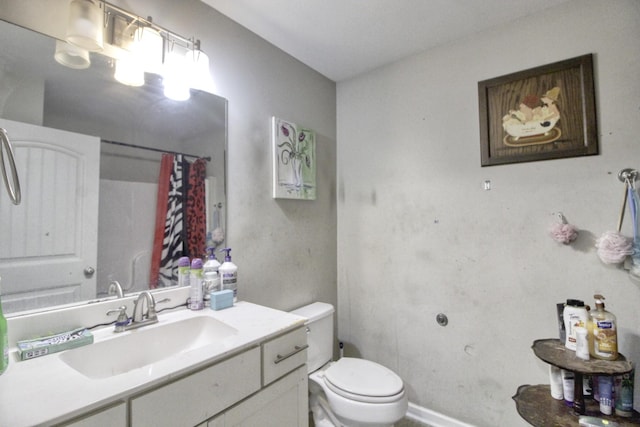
(13, 186)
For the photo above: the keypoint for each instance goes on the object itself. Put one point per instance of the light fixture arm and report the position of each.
(111, 9)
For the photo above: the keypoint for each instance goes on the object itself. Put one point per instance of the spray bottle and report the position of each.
(196, 302)
(228, 272)
(183, 271)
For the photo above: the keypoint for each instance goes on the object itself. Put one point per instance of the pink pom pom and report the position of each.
(217, 236)
(563, 233)
(613, 247)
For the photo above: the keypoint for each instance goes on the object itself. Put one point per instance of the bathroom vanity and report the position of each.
(242, 364)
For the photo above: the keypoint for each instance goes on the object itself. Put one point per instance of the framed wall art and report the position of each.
(547, 112)
(294, 160)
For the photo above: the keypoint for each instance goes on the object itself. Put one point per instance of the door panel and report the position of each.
(48, 241)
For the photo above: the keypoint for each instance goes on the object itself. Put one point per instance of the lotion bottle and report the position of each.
(211, 281)
(228, 272)
(575, 316)
(604, 338)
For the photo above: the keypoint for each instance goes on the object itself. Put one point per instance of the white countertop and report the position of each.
(46, 390)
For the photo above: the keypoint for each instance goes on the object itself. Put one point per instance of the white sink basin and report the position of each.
(143, 347)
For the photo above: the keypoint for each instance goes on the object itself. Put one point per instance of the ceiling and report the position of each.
(344, 38)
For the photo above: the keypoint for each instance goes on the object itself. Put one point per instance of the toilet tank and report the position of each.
(319, 333)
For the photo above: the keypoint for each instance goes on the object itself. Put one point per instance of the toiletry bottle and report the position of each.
(183, 271)
(555, 382)
(4, 340)
(196, 301)
(211, 282)
(623, 392)
(605, 388)
(605, 334)
(575, 315)
(582, 343)
(568, 386)
(228, 272)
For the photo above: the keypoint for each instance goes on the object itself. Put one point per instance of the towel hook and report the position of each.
(13, 187)
(628, 175)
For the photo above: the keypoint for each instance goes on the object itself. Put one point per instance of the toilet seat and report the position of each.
(363, 381)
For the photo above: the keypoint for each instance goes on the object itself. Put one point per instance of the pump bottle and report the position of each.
(228, 272)
(210, 275)
(603, 339)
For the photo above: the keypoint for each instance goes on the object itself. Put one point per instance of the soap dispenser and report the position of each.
(228, 272)
(604, 335)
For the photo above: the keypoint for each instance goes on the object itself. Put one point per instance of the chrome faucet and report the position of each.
(116, 288)
(140, 318)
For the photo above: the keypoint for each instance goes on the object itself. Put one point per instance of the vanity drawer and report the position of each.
(199, 396)
(283, 354)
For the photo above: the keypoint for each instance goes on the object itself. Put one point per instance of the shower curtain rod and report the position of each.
(124, 144)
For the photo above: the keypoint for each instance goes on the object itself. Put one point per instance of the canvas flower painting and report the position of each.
(294, 161)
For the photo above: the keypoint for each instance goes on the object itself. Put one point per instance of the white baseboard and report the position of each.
(432, 418)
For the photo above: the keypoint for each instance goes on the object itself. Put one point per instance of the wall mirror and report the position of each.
(35, 89)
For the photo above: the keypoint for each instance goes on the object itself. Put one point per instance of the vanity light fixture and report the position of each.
(85, 27)
(129, 71)
(143, 53)
(71, 55)
(137, 45)
(176, 72)
(201, 75)
(148, 45)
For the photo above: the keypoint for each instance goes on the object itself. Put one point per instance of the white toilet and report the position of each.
(349, 392)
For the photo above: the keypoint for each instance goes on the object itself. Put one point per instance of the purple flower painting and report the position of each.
(294, 161)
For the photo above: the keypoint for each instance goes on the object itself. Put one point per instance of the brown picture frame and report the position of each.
(546, 112)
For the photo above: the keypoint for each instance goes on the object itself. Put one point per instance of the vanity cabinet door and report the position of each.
(283, 403)
(115, 416)
(197, 397)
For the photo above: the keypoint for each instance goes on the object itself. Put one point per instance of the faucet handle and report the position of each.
(123, 318)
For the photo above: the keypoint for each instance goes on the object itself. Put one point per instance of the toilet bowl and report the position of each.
(349, 392)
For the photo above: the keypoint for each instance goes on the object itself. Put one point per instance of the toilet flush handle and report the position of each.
(297, 349)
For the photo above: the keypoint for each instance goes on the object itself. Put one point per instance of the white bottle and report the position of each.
(210, 273)
(568, 384)
(555, 381)
(196, 301)
(575, 315)
(210, 281)
(228, 272)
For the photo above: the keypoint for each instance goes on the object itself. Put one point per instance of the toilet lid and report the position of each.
(363, 377)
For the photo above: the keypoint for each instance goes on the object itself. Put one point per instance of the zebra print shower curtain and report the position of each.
(180, 228)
